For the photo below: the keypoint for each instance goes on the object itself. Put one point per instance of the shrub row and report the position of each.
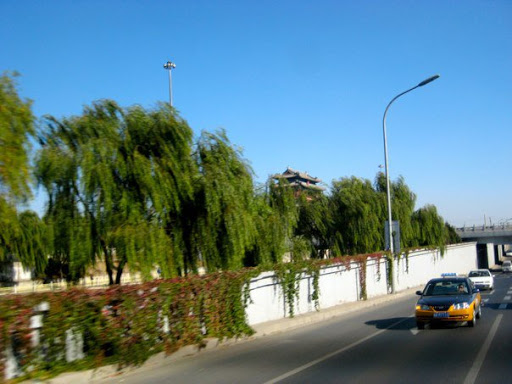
(123, 324)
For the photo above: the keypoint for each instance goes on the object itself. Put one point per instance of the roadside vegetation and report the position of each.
(132, 189)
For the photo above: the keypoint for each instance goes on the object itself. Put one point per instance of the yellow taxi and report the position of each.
(448, 299)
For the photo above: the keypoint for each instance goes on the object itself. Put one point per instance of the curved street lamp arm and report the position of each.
(388, 191)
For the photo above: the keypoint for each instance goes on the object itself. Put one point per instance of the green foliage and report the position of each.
(226, 225)
(315, 222)
(404, 201)
(116, 179)
(16, 126)
(275, 218)
(429, 227)
(126, 188)
(31, 244)
(22, 235)
(358, 213)
(451, 236)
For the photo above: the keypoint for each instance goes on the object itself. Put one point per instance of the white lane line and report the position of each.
(477, 364)
(507, 298)
(329, 355)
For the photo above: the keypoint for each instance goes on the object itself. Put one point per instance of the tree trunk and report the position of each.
(120, 268)
(108, 264)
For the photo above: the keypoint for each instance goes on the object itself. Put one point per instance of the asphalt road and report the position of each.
(380, 344)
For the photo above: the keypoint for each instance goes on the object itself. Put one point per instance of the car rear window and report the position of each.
(478, 273)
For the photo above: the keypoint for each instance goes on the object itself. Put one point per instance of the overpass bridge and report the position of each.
(492, 242)
(497, 234)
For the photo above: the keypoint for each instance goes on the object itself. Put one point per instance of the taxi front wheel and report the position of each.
(472, 322)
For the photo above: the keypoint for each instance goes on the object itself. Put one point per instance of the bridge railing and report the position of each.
(494, 227)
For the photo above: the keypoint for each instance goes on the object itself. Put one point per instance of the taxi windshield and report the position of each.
(446, 287)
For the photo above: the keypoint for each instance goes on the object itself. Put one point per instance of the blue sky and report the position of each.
(297, 83)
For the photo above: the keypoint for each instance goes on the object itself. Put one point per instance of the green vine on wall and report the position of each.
(289, 275)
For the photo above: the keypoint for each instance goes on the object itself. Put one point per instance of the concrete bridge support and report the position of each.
(490, 254)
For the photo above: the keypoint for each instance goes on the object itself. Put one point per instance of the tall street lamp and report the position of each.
(169, 66)
(388, 192)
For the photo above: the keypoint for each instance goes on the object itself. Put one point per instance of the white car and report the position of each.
(506, 266)
(482, 278)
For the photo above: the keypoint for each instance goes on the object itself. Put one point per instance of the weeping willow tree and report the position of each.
(224, 203)
(128, 187)
(275, 215)
(403, 205)
(21, 234)
(16, 127)
(357, 216)
(115, 178)
(314, 224)
(429, 227)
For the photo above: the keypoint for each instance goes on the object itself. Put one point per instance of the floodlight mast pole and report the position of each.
(388, 192)
(169, 66)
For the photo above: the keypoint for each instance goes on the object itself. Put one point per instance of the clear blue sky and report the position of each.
(297, 83)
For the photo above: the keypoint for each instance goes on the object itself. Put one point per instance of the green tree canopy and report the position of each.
(315, 222)
(429, 227)
(16, 126)
(403, 202)
(226, 202)
(275, 217)
(114, 178)
(22, 235)
(358, 213)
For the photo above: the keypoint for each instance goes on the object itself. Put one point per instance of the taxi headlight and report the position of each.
(461, 306)
(422, 307)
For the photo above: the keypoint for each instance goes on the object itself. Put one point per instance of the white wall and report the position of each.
(340, 285)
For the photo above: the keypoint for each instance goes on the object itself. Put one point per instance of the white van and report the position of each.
(506, 266)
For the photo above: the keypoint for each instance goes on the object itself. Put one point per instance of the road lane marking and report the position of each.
(507, 297)
(329, 355)
(477, 364)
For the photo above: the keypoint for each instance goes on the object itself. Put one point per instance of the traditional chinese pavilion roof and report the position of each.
(299, 179)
